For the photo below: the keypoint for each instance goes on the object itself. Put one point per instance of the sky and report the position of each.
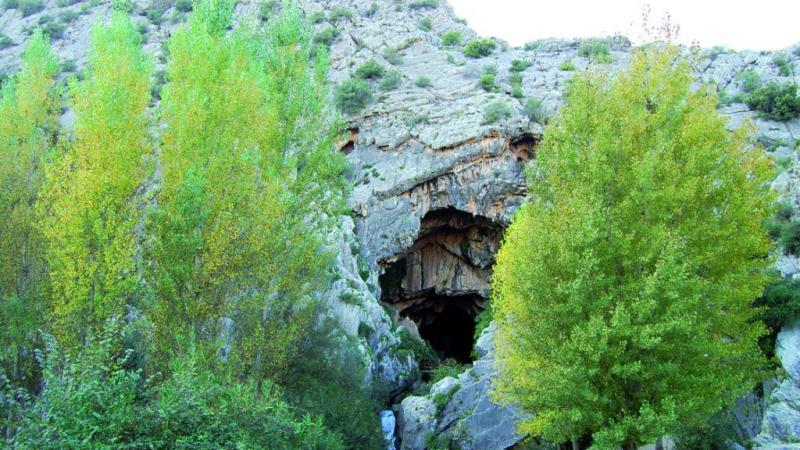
(736, 24)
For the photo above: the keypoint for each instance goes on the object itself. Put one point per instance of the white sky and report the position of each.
(737, 24)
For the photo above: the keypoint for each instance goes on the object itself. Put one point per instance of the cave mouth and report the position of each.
(442, 281)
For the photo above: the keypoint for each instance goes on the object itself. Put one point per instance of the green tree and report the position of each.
(251, 183)
(90, 208)
(29, 105)
(623, 288)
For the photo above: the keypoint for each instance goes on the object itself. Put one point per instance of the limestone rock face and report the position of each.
(781, 423)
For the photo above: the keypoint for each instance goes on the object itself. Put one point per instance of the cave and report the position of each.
(441, 282)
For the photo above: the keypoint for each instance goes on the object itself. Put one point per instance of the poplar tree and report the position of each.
(251, 182)
(29, 106)
(90, 213)
(624, 286)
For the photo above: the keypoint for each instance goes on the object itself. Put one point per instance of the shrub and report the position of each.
(393, 55)
(519, 65)
(775, 101)
(183, 6)
(783, 64)
(515, 78)
(516, 91)
(567, 66)
(426, 24)
(790, 238)
(10, 4)
(68, 66)
(68, 16)
(267, 9)
(155, 12)
(29, 7)
(483, 320)
(326, 37)
(423, 81)
(54, 29)
(596, 50)
(370, 70)
(487, 82)
(317, 17)
(479, 48)
(449, 368)
(749, 80)
(5, 41)
(535, 111)
(451, 38)
(124, 6)
(353, 95)
(390, 81)
(531, 46)
(421, 350)
(340, 12)
(494, 111)
(65, 3)
(420, 4)
(373, 8)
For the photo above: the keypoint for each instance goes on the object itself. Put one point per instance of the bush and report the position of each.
(423, 81)
(567, 66)
(494, 111)
(68, 66)
(451, 38)
(426, 24)
(353, 95)
(5, 41)
(420, 4)
(479, 48)
(340, 12)
(390, 81)
(775, 101)
(183, 6)
(370, 70)
(10, 4)
(393, 55)
(487, 82)
(326, 37)
(535, 111)
(419, 349)
(54, 29)
(781, 302)
(596, 50)
(783, 64)
(519, 65)
(790, 238)
(29, 7)
(749, 80)
(449, 368)
(483, 320)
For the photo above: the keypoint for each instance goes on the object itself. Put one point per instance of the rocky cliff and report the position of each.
(438, 157)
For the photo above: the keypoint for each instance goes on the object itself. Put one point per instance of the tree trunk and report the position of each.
(575, 445)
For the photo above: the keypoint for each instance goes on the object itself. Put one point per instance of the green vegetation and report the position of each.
(29, 7)
(780, 305)
(422, 81)
(520, 65)
(784, 65)
(567, 66)
(487, 82)
(535, 111)
(327, 36)
(609, 276)
(495, 111)
(393, 55)
(10, 4)
(426, 24)
(420, 4)
(390, 81)
(749, 79)
(479, 48)
(340, 12)
(594, 49)
(370, 70)
(776, 101)
(785, 230)
(451, 38)
(184, 6)
(353, 95)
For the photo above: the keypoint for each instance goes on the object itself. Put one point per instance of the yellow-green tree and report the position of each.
(90, 213)
(624, 286)
(250, 183)
(29, 106)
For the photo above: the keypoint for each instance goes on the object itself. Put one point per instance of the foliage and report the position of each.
(370, 70)
(449, 368)
(29, 107)
(479, 48)
(390, 81)
(10, 4)
(420, 4)
(393, 55)
(567, 66)
(89, 211)
(776, 101)
(249, 249)
(487, 82)
(420, 349)
(422, 81)
(784, 64)
(495, 111)
(618, 286)
(520, 65)
(749, 79)
(184, 6)
(483, 320)
(340, 12)
(535, 111)
(326, 37)
(29, 7)
(426, 24)
(780, 305)
(715, 435)
(597, 50)
(353, 95)
(451, 38)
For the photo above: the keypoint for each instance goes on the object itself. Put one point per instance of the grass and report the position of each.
(423, 82)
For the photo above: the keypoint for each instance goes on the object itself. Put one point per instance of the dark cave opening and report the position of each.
(442, 281)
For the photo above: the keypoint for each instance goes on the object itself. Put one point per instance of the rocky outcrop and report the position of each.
(460, 410)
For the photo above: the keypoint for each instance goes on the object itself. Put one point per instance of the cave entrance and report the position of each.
(442, 281)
